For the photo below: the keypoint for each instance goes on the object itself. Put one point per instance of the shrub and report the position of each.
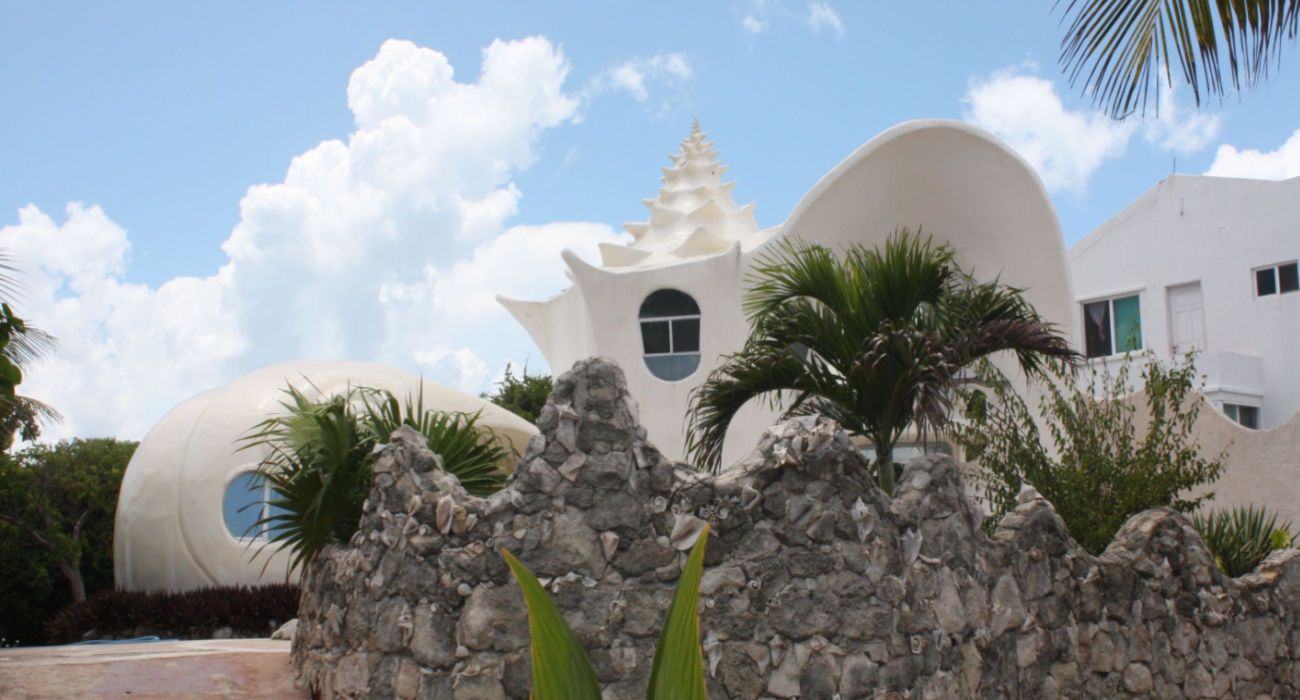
(1242, 537)
(192, 614)
(1099, 471)
(318, 460)
(525, 395)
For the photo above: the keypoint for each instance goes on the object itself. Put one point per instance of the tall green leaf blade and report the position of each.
(561, 670)
(678, 671)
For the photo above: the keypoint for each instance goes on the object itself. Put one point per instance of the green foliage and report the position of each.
(678, 669)
(877, 340)
(1098, 470)
(561, 670)
(57, 506)
(1120, 47)
(20, 344)
(192, 614)
(1242, 537)
(525, 395)
(317, 462)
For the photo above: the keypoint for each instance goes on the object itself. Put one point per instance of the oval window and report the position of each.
(248, 500)
(670, 334)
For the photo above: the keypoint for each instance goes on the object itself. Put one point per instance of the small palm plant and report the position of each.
(561, 669)
(318, 468)
(878, 340)
(1242, 537)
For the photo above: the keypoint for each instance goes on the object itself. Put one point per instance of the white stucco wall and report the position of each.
(170, 533)
(1215, 231)
(954, 181)
(1261, 467)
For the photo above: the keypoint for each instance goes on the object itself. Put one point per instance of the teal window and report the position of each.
(1247, 416)
(1112, 326)
(670, 334)
(246, 502)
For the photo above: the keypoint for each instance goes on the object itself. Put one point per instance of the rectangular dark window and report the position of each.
(1265, 281)
(1288, 278)
(655, 337)
(1096, 325)
(686, 335)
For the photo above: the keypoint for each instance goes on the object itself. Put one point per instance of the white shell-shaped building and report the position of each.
(181, 521)
(668, 305)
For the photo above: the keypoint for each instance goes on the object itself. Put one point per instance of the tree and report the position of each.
(1103, 464)
(61, 499)
(877, 341)
(20, 345)
(525, 395)
(1120, 47)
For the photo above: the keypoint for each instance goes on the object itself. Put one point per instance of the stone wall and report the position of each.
(817, 585)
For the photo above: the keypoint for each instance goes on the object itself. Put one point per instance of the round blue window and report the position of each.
(670, 334)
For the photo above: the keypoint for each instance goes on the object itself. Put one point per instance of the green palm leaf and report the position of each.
(878, 339)
(678, 670)
(1119, 47)
(561, 670)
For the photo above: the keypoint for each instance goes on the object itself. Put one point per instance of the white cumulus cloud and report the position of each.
(631, 76)
(384, 245)
(822, 16)
(1066, 146)
(1278, 164)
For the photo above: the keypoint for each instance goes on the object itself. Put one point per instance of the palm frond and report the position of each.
(1117, 48)
(877, 340)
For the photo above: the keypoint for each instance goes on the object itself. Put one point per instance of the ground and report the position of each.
(236, 668)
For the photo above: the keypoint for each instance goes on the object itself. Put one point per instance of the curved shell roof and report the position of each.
(170, 533)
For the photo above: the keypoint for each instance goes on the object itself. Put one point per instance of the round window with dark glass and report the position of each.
(670, 334)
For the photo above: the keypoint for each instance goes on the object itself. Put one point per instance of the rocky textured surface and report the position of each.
(817, 585)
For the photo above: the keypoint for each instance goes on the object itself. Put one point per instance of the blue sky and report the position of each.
(172, 276)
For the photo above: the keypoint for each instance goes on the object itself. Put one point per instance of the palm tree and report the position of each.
(317, 461)
(877, 341)
(21, 344)
(1119, 47)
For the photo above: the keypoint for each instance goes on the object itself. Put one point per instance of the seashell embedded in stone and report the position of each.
(686, 530)
(777, 648)
(863, 518)
(443, 513)
(911, 546)
(712, 648)
(609, 543)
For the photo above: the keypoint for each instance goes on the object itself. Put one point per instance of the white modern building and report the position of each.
(1203, 264)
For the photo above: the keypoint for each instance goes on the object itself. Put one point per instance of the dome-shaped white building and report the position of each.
(181, 521)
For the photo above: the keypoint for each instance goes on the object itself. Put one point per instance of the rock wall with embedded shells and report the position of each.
(817, 584)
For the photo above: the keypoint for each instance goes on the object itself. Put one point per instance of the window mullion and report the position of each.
(1114, 327)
